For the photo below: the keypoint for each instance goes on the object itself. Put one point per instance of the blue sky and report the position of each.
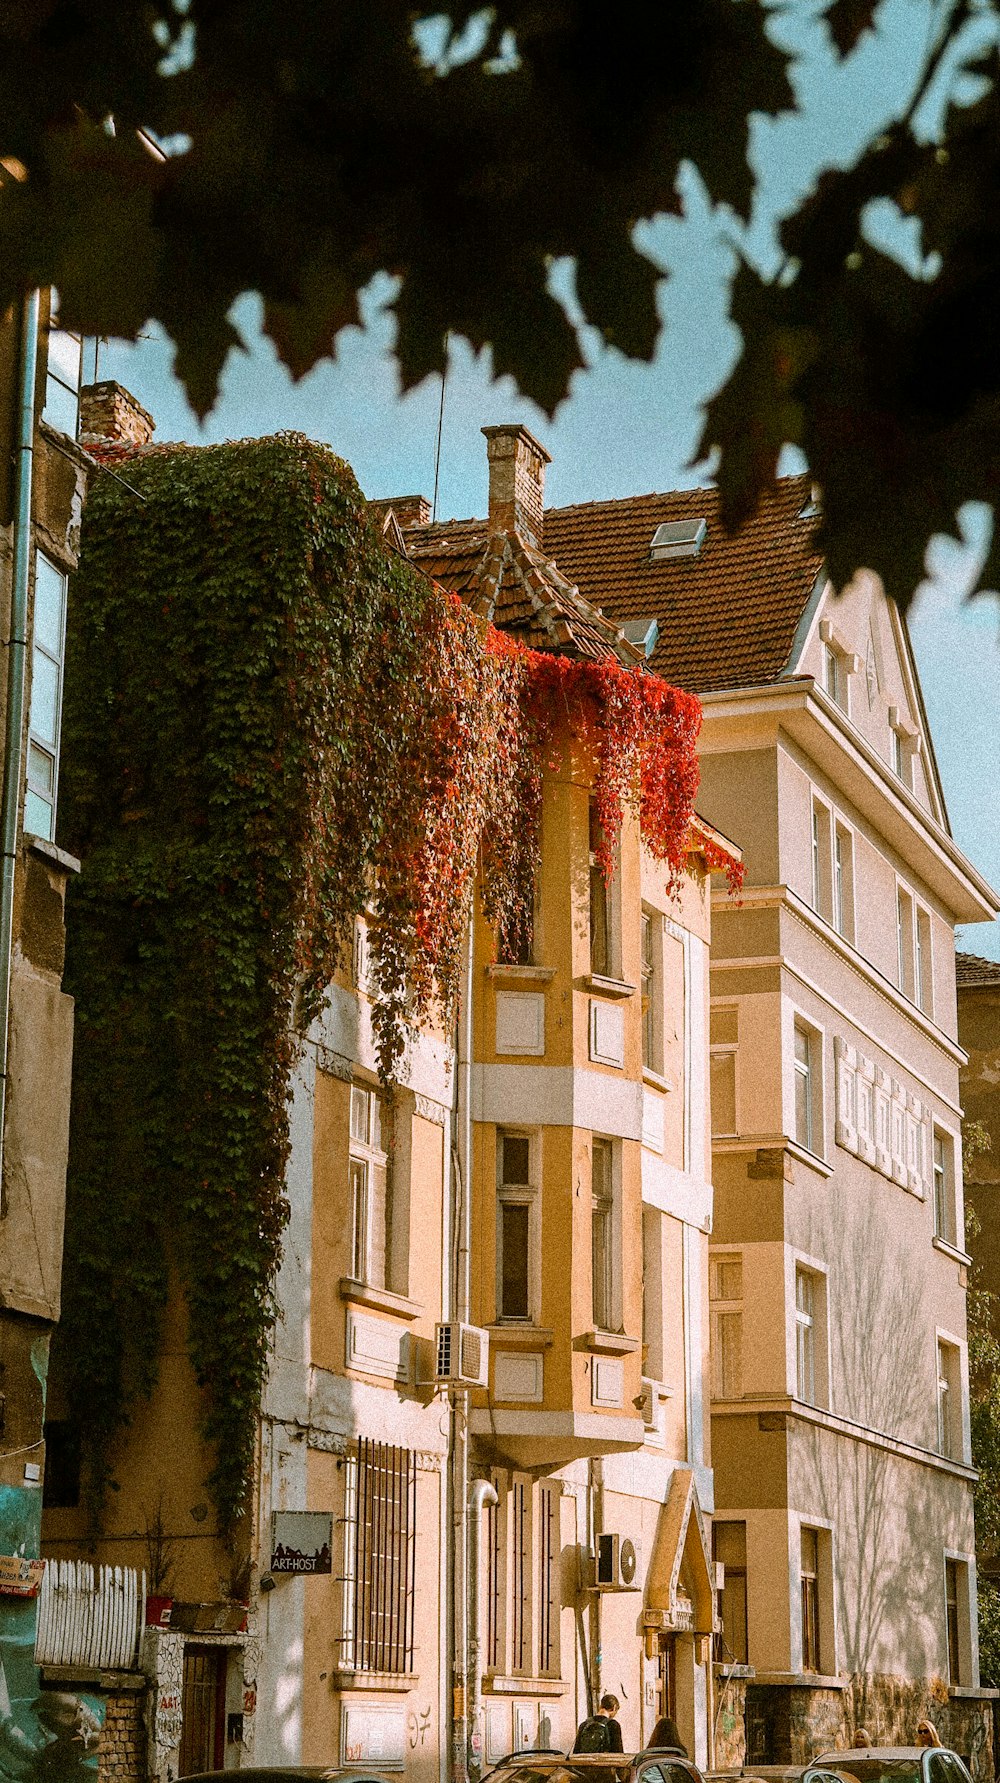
(627, 429)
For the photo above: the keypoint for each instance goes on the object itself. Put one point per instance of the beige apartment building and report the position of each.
(837, 1265)
(490, 1374)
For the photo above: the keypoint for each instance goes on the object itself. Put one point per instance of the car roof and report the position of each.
(831, 1759)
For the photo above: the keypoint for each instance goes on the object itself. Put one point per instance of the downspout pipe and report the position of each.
(481, 1493)
(17, 654)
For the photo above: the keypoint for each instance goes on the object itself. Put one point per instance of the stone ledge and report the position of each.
(92, 1674)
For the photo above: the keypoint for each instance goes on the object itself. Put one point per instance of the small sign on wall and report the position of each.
(301, 1541)
(20, 1577)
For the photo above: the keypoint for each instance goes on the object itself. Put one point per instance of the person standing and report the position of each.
(666, 1737)
(600, 1732)
(927, 1733)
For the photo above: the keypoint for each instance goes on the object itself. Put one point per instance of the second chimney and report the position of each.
(110, 412)
(517, 480)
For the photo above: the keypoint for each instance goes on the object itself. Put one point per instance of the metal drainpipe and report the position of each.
(481, 1493)
(461, 1611)
(16, 662)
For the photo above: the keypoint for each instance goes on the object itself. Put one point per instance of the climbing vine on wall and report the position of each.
(271, 723)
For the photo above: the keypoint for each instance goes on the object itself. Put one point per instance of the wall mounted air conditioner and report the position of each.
(616, 1563)
(461, 1355)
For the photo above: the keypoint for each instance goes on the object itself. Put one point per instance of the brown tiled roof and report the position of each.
(517, 587)
(727, 618)
(972, 969)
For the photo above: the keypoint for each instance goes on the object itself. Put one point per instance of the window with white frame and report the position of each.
(900, 754)
(652, 989)
(48, 644)
(943, 1165)
(843, 881)
(949, 1399)
(923, 974)
(517, 1236)
(810, 1585)
(603, 949)
(371, 1195)
(958, 1598)
(63, 375)
(723, 1046)
(904, 942)
(835, 679)
(523, 1557)
(822, 860)
(807, 1071)
(810, 1336)
(725, 1294)
(604, 1236)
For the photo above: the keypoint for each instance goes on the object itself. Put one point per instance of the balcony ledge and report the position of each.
(498, 1686)
(520, 1337)
(348, 1680)
(802, 1680)
(530, 974)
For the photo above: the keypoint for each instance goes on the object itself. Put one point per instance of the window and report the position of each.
(805, 1335)
(379, 1552)
(822, 864)
(808, 1109)
(61, 1486)
(523, 1598)
(516, 1213)
(516, 939)
(951, 1617)
(959, 1601)
(843, 882)
(63, 376)
(652, 990)
(725, 1293)
(520, 1570)
(945, 1221)
(724, 1032)
(45, 710)
(371, 1201)
(949, 1400)
(904, 943)
(729, 1546)
(924, 983)
(835, 675)
(549, 1553)
(600, 905)
(602, 1233)
(901, 756)
(809, 1572)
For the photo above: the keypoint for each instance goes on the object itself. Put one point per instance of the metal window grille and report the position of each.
(548, 1581)
(379, 1555)
(520, 1645)
(496, 1583)
(810, 1601)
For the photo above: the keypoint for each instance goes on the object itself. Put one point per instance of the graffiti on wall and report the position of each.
(46, 1736)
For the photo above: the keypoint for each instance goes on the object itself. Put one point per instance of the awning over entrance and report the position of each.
(680, 1591)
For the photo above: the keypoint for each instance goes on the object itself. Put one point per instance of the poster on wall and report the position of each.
(301, 1541)
(46, 1736)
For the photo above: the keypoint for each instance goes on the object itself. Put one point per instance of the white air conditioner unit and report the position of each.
(616, 1563)
(461, 1355)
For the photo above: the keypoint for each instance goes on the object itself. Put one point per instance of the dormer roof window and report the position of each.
(678, 538)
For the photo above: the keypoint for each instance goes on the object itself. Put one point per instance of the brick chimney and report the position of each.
(517, 480)
(410, 510)
(110, 412)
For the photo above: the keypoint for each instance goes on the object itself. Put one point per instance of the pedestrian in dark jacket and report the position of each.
(600, 1732)
(665, 1734)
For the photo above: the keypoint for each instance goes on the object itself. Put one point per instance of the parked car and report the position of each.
(294, 1773)
(889, 1764)
(664, 1765)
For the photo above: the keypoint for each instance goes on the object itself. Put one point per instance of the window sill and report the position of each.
(655, 1081)
(805, 1156)
(736, 1670)
(532, 974)
(973, 1692)
(498, 1686)
(361, 1294)
(608, 987)
(951, 1250)
(520, 1337)
(606, 1343)
(802, 1680)
(348, 1680)
(56, 857)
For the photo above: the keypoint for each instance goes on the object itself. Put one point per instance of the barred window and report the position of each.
(379, 1550)
(520, 1557)
(548, 1580)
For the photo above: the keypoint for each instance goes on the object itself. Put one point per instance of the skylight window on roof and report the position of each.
(643, 633)
(678, 538)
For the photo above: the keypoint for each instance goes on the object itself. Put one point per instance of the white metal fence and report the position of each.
(90, 1616)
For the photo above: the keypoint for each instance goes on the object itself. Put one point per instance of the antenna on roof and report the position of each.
(437, 454)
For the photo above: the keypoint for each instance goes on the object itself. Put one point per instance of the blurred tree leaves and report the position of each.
(317, 149)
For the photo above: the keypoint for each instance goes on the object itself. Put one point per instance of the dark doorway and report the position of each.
(203, 1711)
